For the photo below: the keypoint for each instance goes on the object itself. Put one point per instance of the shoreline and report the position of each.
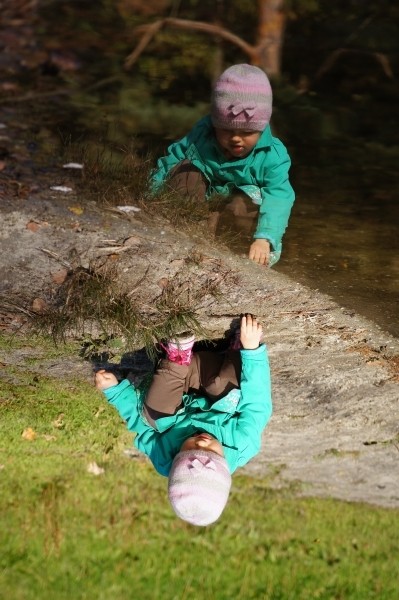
(334, 431)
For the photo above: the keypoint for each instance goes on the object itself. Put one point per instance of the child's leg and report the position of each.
(214, 374)
(209, 372)
(165, 393)
(188, 181)
(244, 212)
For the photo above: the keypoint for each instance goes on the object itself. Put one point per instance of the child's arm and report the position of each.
(176, 153)
(121, 395)
(255, 406)
(259, 251)
(277, 200)
(183, 149)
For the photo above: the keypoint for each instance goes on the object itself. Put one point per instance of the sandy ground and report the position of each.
(335, 427)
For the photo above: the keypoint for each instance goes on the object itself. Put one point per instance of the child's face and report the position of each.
(237, 143)
(203, 441)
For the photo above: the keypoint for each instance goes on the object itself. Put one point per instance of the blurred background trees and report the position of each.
(146, 67)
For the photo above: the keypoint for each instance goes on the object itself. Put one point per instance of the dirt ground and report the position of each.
(335, 427)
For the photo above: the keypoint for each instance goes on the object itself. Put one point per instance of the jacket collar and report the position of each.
(266, 139)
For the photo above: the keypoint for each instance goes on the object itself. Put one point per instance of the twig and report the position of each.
(56, 257)
(60, 92)
(31, 96)
(306, 312)
(9, 306)
(139, 282)
(149, 31)
(332, 58)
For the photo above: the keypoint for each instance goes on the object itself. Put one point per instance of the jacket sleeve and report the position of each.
(255, 406)
(277, 198)
(124, 398)
(176, 153)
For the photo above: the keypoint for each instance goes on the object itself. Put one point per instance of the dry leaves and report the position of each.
(59, 276)
(35, 225)
(94, 469)
(39, 305)
(29, 434)
(76, 210)
(59, 422)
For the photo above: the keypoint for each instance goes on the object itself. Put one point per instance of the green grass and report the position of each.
(68, 534)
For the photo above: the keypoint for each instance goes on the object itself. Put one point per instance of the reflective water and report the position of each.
(342, 237)
(345, 243)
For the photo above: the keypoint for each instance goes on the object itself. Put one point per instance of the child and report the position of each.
(232, 152)
(201, 418)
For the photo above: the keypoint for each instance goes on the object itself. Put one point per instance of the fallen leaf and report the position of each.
(72, 165)
(128, 209)
(61, 188)
(32, 226)
(8, 86)
(39, 305)
(59, 422)
(99, 411)
(60, 276)
(35, 225)
(163, 282)
(133, 240)
(76, 210)
(94, 469)
(29, 434)
(178, 262)
(49, 438)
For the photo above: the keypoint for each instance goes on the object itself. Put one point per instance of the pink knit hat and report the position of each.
(199, 486)
(242, 99)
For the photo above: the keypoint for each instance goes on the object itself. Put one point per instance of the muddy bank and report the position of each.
(335, 429)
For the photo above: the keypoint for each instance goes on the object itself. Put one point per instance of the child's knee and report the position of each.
(186, 179)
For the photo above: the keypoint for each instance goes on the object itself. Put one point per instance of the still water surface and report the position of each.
(345, 243)
(342, 237)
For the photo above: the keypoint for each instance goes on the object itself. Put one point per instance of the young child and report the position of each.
(232, 152)
(200, 419)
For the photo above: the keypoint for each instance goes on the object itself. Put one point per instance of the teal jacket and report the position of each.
(237, 420)
(262, 175)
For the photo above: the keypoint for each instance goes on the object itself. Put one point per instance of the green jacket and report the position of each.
(237, 420)
(262, 175)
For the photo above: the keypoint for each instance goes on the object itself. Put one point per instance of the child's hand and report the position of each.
(104, 380)
(259, 251)
(250, 332)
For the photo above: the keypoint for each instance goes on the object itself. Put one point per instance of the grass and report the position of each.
(113, 174)
(67, 533)
(92, 303)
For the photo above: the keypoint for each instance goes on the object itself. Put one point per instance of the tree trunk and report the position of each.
(270, 35)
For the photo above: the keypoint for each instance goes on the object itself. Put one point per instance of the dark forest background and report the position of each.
(334, 66)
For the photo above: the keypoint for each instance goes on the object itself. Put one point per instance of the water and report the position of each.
(345, 244)
(342, 238)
